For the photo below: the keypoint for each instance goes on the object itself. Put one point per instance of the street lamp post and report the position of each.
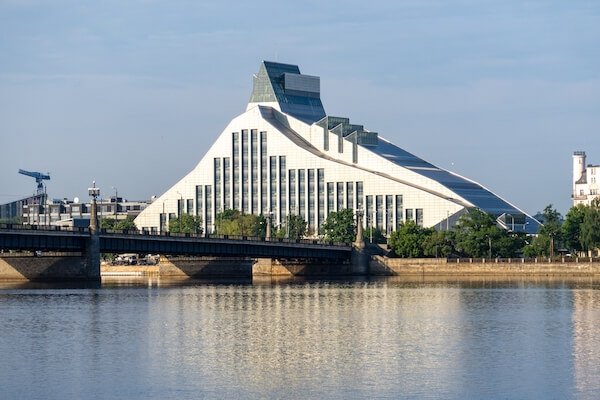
(94, 192)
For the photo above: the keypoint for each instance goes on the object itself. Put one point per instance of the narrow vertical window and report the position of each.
(264, 182)
(419, 216)
(302, 193)
(389, 214)
(369, 212)
(273, 184)
(311, 198)
(340, 196)
(350, 195)
(359, 195)
(235, 156)
(254, 169)
(409, 215)
(399, 210)
(330, 198)
(199, 202)
(217, 182)
(226, 183)
(321, 196)
(208, 201)
(282, 189)
(292, 191)
(379, 211)
(244, 158)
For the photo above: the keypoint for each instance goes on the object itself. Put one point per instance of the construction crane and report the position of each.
(39, 178)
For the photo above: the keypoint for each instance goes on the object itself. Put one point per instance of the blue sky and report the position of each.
(132, 93)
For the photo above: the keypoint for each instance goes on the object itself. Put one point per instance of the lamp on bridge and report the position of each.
(94, 192)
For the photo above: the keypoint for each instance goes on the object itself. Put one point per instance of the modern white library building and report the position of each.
(284, 155)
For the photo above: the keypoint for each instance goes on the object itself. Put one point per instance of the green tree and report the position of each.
(590, 228)
(571, 228)
(295, 228)
(374, 233)
(477, 234)
(186, 223)
(439, 244)
(340, 227)
(234, 223)
(409, 240)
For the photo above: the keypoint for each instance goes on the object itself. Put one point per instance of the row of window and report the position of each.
(281, 190)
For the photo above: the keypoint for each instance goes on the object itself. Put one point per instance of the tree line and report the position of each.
(476, 234)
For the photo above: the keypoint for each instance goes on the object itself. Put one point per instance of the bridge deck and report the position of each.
(18, 237)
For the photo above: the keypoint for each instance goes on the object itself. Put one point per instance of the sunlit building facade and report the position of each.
(586, 180)
(284, 155)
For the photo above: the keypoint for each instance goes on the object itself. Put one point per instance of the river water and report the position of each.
(384, 338)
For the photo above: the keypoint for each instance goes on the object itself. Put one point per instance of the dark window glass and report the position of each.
(254, 168)
(244, 157)
(419, 216)
(217, 182)
(235, 156)
(399, 210)
(311, 198)
(340, 195)
(350, 195)
(302, 193)
(379, 211)
(264, 182)
(321, 195)
(273, 184)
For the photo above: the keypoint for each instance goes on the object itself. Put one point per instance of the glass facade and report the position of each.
(208, 201)
(302, 193)
(264, 183)
(419, 216)
(292, 182)
(245, 170)
(379, 211)
(254, 169)
(217, 182)
(350, 195)
(226, 183)
(359, 195)
(321, 195)
(199, 202)
(273, 184)
(282, 189)
(330, 197)
(311, 198)
(340, 195)
(389, 214)
(399, 210)
(235, 156)
(369, 212)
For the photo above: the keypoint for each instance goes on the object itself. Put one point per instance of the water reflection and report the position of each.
(382, 338)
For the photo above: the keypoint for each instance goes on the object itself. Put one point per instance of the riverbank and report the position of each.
(480, 267)
(58, 266)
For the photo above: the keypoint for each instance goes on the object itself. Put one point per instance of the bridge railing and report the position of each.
(44, 228)
(212, 236)
(54, 228)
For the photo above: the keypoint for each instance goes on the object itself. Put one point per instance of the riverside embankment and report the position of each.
(481, 267)
(58, 266)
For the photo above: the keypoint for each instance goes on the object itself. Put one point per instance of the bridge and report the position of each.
(54, 238)
(89, 246)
